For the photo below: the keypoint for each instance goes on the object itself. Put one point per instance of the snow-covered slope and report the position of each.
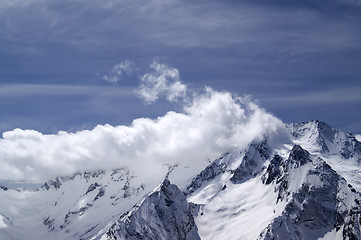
(342, 151)
(320, 137)
(304, 187)
(295, 196)
(75, 207)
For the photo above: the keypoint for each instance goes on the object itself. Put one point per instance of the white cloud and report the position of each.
(119, 70)
(215, 122)
(163, 81)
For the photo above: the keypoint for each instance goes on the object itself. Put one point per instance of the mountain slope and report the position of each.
(319, 201)
(74, 207)
(164, 214)
(342, 151)
(298, 197)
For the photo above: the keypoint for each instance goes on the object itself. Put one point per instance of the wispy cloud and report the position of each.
(118, 71)
(316, 97)
(28, 90)
(163, 81)
(210, 24)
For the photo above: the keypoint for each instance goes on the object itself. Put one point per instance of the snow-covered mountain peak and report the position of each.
(306, 186)
(342, 151)
(299, 156)
(164, 214)
(318, 136)
(316, 133)
(240, 165)
(301, 195)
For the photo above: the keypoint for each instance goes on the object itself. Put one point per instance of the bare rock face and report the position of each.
(164, 214)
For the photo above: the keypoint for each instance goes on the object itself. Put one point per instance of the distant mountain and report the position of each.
(304, 187)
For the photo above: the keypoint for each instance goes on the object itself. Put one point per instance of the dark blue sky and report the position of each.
(301, 60)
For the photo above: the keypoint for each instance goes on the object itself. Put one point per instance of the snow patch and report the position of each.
(358, 137)
(2, 222)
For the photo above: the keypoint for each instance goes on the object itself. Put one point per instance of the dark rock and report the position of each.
(299, 156)
(100, 193)
(252, 162)
(92, 187)
(213, 170)
(274, 170)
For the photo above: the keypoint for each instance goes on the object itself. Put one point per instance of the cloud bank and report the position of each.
(212, 123)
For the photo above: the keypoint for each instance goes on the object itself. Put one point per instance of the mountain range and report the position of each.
(305, 184)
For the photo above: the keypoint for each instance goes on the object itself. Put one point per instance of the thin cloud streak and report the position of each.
(317, 98)
(16, 90)
(202, 25)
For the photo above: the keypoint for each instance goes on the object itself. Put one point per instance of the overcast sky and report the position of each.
(73, 64)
